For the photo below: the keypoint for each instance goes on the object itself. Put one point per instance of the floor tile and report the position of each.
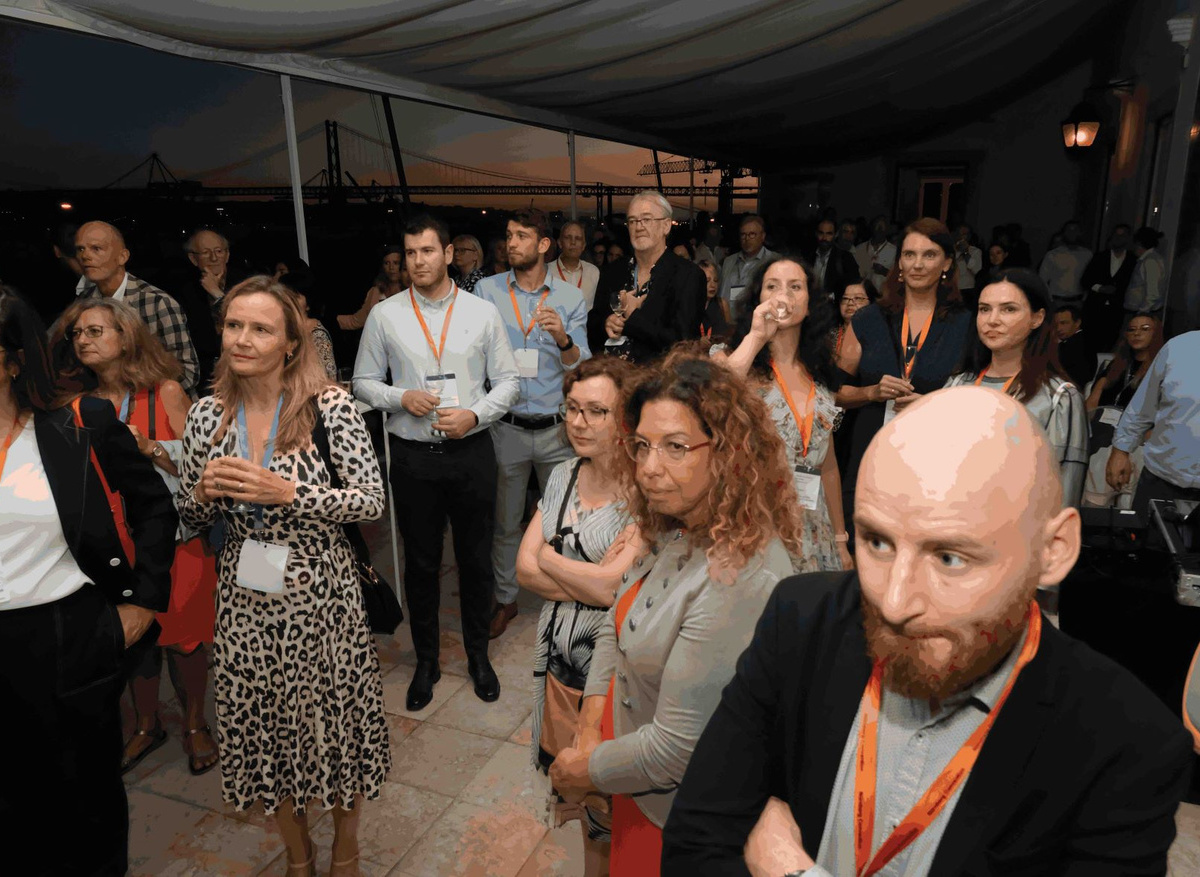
(395, 690)
(499, 719)
(560, 854)
(154, 824)
(218, 847)
(442, 760)
(1184, 859)
(391, 825)
(523, 736)
(506, 780)
(470, 841)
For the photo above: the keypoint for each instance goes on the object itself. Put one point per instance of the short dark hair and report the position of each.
(1074, 310)
(1147, 237)
(532, 218)
(423, 223)
(24, 341)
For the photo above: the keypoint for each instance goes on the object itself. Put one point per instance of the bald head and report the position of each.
(970, 446)
(100, 249)
(111, 231)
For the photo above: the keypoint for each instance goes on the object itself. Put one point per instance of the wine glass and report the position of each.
(617, 302)
(435, 385)
(540, 310)
(242, 449)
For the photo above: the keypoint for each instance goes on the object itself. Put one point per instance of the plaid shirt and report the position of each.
(165, 319)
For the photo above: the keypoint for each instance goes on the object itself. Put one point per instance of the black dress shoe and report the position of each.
(420, 690)
(487, 686)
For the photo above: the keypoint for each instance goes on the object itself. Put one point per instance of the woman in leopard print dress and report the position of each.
(298, 693)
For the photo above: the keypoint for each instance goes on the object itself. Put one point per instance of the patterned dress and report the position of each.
(820, 549)
(297, 688)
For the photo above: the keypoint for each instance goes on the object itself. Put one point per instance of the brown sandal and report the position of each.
(158, 737)
(193, 758)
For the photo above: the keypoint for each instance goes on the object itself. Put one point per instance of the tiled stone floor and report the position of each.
(459, 800)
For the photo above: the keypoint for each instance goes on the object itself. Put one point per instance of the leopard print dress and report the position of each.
(297, 687)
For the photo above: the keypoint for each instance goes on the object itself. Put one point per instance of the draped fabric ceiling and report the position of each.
(761, 83)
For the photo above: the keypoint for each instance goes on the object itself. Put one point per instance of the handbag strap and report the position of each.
(320, 439)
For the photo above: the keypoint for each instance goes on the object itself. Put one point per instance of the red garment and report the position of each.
(192, 613)
(636, 841)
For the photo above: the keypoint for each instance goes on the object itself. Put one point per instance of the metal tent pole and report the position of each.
(571, 153)
(289, 124)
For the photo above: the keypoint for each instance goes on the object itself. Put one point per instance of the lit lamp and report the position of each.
(1081, 128)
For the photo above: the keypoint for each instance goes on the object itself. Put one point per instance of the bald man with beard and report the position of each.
(919, 716)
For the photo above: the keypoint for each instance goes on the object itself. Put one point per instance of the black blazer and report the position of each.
(83, 508)
(673, 310)
(1081, 774)
(841, 271)
(1098, 272)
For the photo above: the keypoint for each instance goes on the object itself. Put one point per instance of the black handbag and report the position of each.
(383, 606)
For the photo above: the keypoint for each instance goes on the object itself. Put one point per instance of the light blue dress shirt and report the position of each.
(1168, 400)
(542, 395)
(477, 351)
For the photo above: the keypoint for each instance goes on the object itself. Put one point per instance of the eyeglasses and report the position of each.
(639, 450)
(216, 253)
(636, 221)
(591, 414)
(90, 331)
(856, 300)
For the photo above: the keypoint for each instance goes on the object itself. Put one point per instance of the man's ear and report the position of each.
(1062, 540)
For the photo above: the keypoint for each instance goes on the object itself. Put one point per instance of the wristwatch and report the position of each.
(569, 345)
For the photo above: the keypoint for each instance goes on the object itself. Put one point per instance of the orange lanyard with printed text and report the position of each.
(578, 283)
(517, 310)
(943, 788)
(437, 351)
(12, 434)
(910, 362)
(1007, 384)
(804, 424)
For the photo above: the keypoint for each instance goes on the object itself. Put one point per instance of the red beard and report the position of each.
(978, 650)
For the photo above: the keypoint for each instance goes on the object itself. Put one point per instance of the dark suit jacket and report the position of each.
(1097, 273)
(841, 271)
(1080, 775)
(202, 314)
(1078, 359)
(673, 310)
(83, 508)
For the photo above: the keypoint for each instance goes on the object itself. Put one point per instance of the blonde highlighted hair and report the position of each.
(751, 500)
(303, 377)
(145, 363)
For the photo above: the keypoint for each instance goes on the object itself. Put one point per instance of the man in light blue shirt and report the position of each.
(442, 348)
(1167, 402)
(546, 323)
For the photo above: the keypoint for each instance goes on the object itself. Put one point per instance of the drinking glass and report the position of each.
(435, 386)
(243, 450)
(618, 307)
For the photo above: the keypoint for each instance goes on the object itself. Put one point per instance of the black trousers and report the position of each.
(454, 481)
(63, 809)
(1150, 486)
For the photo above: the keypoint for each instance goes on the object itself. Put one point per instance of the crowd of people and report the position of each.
(898, 433)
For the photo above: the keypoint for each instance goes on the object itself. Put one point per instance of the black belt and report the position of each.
(533, 422)
(447, 445)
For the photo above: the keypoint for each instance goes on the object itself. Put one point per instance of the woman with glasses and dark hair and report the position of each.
(1014, 350)
(79, 587)
(707, 462)
(392, 278)
(782, 344)
(105, 345)
(581, 540)
(468, 261)
(1143, 338)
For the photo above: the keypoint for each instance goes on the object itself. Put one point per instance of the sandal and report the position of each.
(306, 868)
(194, 759)
(343, 864)
(158, 737)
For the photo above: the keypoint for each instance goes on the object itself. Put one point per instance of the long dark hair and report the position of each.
(949, 298)
(815, 349)
(23, 339)
(1124, 355)
(1039, 360)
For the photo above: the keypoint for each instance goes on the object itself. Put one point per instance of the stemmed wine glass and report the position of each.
(537, 312)
(242, 449)
(617, 302)
(435, 385)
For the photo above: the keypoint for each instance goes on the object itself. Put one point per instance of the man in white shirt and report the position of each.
(877, 255)
(570, 266)
(737, 271)
(710, 249)
(1062, 267)
(968, 259)
(443, 462)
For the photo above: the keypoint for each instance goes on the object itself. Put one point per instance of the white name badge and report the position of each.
(1111, 416)
(889, 410)
(527, 362)
(735, 293)
(808, 486)
(446, 388)
(261, 566)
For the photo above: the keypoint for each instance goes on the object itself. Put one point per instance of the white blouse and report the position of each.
(36, 566)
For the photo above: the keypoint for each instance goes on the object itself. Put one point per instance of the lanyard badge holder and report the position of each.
(527, 357)
(262, 566)
(444, 384)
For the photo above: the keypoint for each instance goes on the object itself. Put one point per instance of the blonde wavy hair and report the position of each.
(303, 376)
(145, 363)
(751, 500)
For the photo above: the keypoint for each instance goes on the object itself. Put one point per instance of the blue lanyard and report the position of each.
(123, 414)
(268, 448)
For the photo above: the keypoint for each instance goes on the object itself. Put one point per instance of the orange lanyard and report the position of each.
(437, 352)
(1007, 384)
(626, 603)
(517, 310)
(805, 424)
(910, 362)
(942, 789)
(837, 349)
(12, 434)
(578, 283)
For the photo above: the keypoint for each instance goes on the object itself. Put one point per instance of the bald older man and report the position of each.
(100, 249)
(919, 716)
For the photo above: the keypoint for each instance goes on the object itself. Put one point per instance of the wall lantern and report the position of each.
(1081, 128)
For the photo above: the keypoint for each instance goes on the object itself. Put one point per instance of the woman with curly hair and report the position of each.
(714, 507)
(782, 345)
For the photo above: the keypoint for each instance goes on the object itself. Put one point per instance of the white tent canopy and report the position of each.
(755, 82)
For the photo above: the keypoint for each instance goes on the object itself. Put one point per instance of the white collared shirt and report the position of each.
(119, 295)
(585, 278)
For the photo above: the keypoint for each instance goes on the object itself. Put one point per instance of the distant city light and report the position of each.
(66, 205)
(484, 212)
